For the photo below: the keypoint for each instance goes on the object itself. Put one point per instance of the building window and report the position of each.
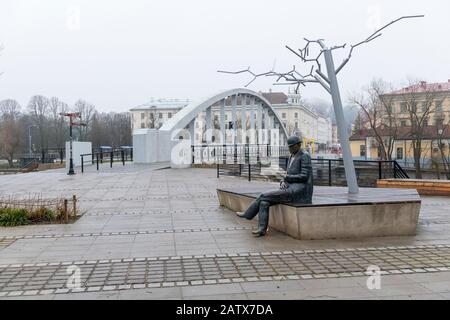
(142, 115)
(362, 150)
(283, 115)
(425, 122)
(284, 123)
(226, 117)
(439, 122)
(399, 153)
(438, 106)
(152, 116)
(424, 107)
(403, 123)
(160, 115)
(169, 115)
(403, 107)
(296, 125)
(142, 125)
(296, 115)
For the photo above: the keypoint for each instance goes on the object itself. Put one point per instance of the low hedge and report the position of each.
(11, 217)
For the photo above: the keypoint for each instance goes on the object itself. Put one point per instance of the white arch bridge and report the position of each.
(253, 121)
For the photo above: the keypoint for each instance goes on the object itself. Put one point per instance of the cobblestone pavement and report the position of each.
(158, 234)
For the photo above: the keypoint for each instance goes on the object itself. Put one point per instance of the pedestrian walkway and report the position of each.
(152, 232)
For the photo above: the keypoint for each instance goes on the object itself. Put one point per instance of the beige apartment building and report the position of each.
(433, 99)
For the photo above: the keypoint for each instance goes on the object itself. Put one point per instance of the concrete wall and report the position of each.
(151, 145)
(78, 148)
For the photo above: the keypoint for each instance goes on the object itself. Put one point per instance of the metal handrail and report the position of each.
(98, 156)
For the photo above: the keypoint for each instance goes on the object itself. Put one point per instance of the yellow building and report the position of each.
(432, 101)
(364, 146)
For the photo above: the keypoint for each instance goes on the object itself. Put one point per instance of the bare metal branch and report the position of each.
(293, 77)
(372, 37)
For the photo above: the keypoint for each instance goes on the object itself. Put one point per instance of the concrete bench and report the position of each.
(334, 213)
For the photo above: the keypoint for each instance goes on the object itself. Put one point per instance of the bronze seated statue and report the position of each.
(296, 187)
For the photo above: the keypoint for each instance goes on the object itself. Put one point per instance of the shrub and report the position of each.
(43, 214)
(10, 217)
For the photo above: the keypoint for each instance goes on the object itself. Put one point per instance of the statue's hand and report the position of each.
(283, 185)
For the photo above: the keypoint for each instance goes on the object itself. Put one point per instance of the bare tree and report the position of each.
(443, 146)
(38, 108)
(419, 102)
(151, 119)
(378, 115)
(58, 128)
(11, 130)
(87, 111)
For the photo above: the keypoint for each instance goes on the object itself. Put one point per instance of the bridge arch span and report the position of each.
(155, 145)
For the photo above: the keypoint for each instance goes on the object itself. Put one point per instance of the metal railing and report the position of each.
(249, 161)
(117, 155)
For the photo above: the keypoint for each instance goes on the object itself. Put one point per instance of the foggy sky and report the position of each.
(119, 54)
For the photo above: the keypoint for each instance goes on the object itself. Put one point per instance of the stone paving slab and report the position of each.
(174, 271)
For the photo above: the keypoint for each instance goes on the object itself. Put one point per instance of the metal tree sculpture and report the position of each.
(328, 82)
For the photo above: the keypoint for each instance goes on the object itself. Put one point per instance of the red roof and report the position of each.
(423, 86)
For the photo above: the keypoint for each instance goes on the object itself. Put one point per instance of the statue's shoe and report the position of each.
(258, 233)
(240, 214)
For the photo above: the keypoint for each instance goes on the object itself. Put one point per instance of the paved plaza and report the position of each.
(151, 232)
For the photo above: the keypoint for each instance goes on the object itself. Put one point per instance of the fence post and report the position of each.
(249, 172)
(131, 154)
(74, 202)
(123, 156)
(217, 170)
(66, 214)
(97, 160)
(101, 157)
(82, 164)
(61, 155)
(112, 155)
(379, 171)
(329, 173)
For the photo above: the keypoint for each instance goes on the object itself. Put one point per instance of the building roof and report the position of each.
(275, 97)
(162, 104)
(423, 86)
(403, 133)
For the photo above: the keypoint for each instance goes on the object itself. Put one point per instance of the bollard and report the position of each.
(97, 160)
(74, 202)
(122, 153)
(82, 164)
(66, 214)
(112, 155)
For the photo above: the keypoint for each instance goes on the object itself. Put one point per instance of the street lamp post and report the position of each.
(71, 124)
(29, 137)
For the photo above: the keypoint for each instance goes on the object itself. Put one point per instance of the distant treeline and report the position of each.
(41, 120)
